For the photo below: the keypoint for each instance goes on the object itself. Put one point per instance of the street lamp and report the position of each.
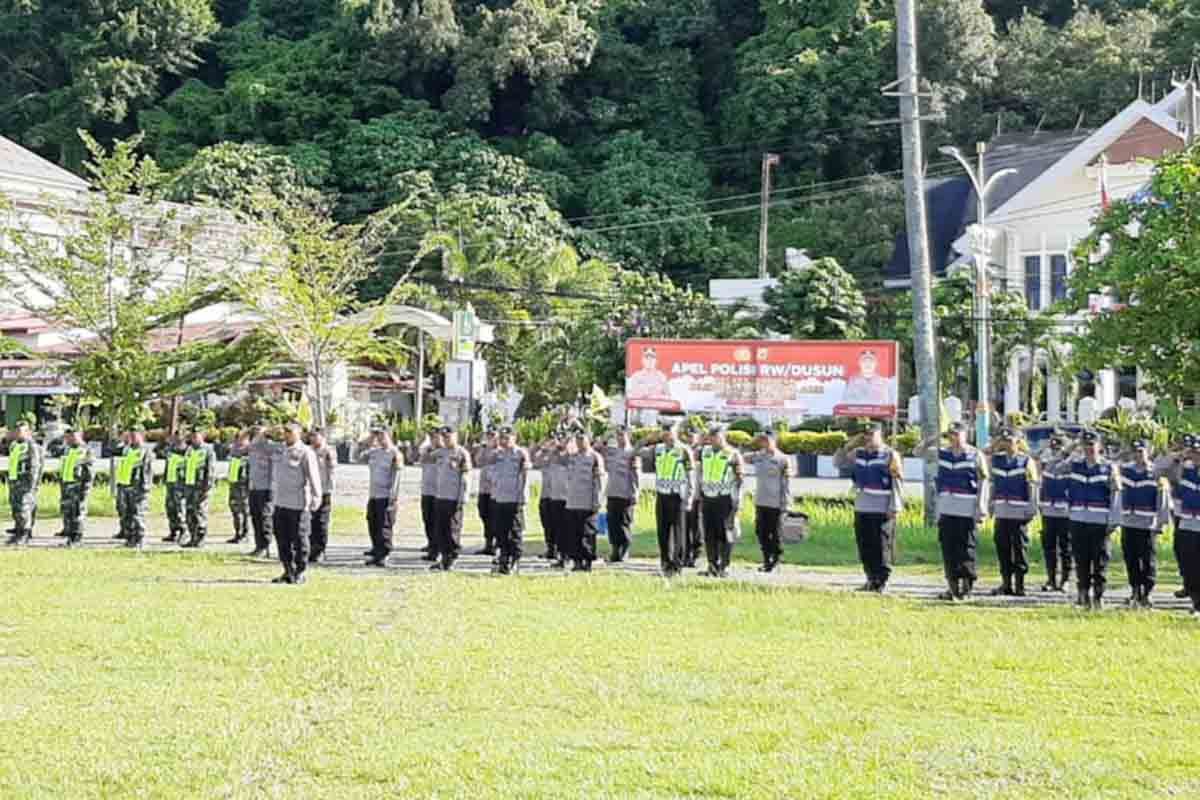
(981, 249)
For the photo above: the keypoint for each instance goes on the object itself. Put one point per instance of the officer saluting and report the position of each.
(1056, 514)
(296, 493)
(673, 490)
(772, 497)
(1095, 498)
(961, 506)
(260, 462)
(585, 487)
(429, 455)
(551, 459)
(878, 498)
(1013, 498)
(454, 470)
(1186, 479)
(510, 476)
(1145, 511)
(621, 461)
(484, 458)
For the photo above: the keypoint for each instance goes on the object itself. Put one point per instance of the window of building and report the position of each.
(1033, 282)
(1058, 277)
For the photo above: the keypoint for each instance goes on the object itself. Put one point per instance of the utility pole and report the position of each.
(768, 160)
(918, 239)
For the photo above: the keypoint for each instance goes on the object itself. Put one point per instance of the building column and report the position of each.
(1106, 390)
(1054, 399)
(1012, 385)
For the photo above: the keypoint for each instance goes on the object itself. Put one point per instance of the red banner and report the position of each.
(847, 379)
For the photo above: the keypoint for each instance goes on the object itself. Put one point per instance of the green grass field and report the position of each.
(186, 675)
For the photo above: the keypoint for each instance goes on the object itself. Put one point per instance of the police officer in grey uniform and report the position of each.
(772, 497)
(510, 475)
(318, 538)
(386, 468)
(430, 453)
(585, 487)
(295, 492)
(260, 461)
(551, 459)
(484, 459)
(454, 469)
(621, 461)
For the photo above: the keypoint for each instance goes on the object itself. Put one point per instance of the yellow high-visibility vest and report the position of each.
(15, 453)
(128, 463)
(69, 462)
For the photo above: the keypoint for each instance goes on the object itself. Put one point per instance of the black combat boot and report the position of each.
(1051, 584)
(1019, 588)
(1005, 587)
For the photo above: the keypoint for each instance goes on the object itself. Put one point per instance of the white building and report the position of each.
(1036, 217)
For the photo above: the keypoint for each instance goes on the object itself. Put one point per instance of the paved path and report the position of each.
(345, 557)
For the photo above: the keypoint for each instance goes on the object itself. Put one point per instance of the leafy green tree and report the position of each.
(303, 289)
(1152, 268)
(528, 47)
(120, 278)
(639, 306)
(959, 48)
(510, 257)
(231, 175)
(1091, 65)
(72, 64)
(822, 301)
(857, 228)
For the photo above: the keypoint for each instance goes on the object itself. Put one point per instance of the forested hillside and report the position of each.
(635, 128)
(630, 130)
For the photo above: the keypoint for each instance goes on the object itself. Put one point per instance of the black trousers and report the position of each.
(1093, 549)
(581, 542)
(958, 540)
(319, 538)
(1177, 546)
(291, 538)
(1056, 545)
(1141, 560)
(768, 528)
(668, 517)
(695, 541)
(1188, 544)
(508, 520)
(449, 528)
(873, 534)
(484, 507)
(379, 525)
(562, 528)
(620, 523)
(429, 518)
(546, 516)
(1012, 545)
(716, 512)
(262, 517)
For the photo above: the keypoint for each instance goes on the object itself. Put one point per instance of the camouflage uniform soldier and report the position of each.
(24, 470)
(76, 483)
(239, 487)
(135, 476)
(198, 476)
(173, 479)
